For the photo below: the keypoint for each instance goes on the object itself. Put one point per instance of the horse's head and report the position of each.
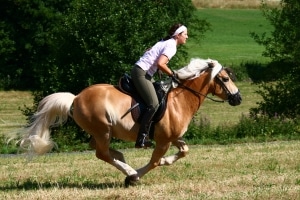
(223, 85)
(221, 79)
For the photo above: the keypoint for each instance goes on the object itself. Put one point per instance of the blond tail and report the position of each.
(52, 111)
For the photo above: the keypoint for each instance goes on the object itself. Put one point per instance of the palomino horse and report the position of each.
(98, 110)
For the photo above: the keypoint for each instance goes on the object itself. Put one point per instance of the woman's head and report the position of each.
(178, 32)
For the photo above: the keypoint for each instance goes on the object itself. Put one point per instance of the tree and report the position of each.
(26, 39)
(283, 46)
(101, 40)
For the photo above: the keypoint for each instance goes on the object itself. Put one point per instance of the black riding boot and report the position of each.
(142, 138)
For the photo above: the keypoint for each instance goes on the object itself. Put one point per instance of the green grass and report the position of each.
(229, 42)
(223, 113)
(11, 116)
(244, 171)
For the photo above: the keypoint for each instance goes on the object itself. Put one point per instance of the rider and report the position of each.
(153, 59)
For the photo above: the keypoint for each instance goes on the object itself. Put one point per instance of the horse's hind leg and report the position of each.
(114, 153)
(117, 155)
(113, 157)
(183, 150)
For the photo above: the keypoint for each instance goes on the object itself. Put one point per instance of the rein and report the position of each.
(200, 94)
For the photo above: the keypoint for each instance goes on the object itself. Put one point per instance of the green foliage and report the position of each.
(99, 46)
(283, 47)
(75, 139)
(247, 130)
(279, 98)
(26, 40)
(267, 128)
(92, 46)
(7, 148)
(283, 43)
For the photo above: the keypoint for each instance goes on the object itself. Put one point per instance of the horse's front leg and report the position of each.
(158, 152)
(183, 150)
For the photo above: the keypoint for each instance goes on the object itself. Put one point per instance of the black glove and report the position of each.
(175, 77)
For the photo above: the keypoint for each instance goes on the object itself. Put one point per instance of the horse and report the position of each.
(98, 108)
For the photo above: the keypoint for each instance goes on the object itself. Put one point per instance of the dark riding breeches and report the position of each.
(143, 83)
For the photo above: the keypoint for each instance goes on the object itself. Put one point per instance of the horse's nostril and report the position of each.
(235, 99)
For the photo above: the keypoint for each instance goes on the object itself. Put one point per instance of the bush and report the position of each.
(249, 129)
(7, 148)
(282, 97)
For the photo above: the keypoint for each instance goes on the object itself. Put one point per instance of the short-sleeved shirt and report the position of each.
(148, 61)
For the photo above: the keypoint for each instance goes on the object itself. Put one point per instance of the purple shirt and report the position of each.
(148, 61)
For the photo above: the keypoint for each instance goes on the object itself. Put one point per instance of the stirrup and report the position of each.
(145, 145)
(143, 142)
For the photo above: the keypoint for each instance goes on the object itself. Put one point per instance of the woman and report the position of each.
(153, 59)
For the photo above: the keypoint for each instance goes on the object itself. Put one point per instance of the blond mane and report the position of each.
(196, 66)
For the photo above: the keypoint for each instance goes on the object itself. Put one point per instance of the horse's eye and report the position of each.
(225, 79)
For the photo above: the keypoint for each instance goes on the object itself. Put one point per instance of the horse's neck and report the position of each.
(190, 101)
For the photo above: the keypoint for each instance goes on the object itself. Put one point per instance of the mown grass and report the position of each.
(222, 113)
(233, 4)
(229, 40)
(244, 171)
(11, 102)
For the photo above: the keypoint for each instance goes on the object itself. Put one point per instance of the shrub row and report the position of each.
(259, 129)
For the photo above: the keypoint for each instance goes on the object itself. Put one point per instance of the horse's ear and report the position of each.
(210, 65)
(230, 73)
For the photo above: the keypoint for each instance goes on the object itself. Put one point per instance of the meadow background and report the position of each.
(237, 171)
(229, 42)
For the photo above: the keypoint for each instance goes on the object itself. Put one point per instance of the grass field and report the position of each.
(246, 171)
(229, 41)
(229, 4)
(10, 115)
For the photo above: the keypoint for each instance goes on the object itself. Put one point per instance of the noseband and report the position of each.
(232, 98)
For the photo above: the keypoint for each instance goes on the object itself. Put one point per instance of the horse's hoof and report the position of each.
(131, 180)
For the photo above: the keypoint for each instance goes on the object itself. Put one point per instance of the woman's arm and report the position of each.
(162, 65)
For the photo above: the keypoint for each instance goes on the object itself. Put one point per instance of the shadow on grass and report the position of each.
(35, 185)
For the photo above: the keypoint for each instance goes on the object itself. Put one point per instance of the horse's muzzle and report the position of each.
(235, 99)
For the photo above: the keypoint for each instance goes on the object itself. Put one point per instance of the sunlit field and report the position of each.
(245, 171)
(229, 39)
(245, 4)
(11, 116)
(236, 171)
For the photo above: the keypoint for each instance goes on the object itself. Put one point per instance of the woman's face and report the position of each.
(181, 38)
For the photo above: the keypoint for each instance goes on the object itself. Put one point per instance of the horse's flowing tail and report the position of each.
(52, 111)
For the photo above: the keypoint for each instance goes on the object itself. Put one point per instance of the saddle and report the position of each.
(138, 106)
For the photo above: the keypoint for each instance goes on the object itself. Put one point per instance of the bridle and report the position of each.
(200, 94)
(205, 96)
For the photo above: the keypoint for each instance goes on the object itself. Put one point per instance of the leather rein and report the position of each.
(205, 96)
